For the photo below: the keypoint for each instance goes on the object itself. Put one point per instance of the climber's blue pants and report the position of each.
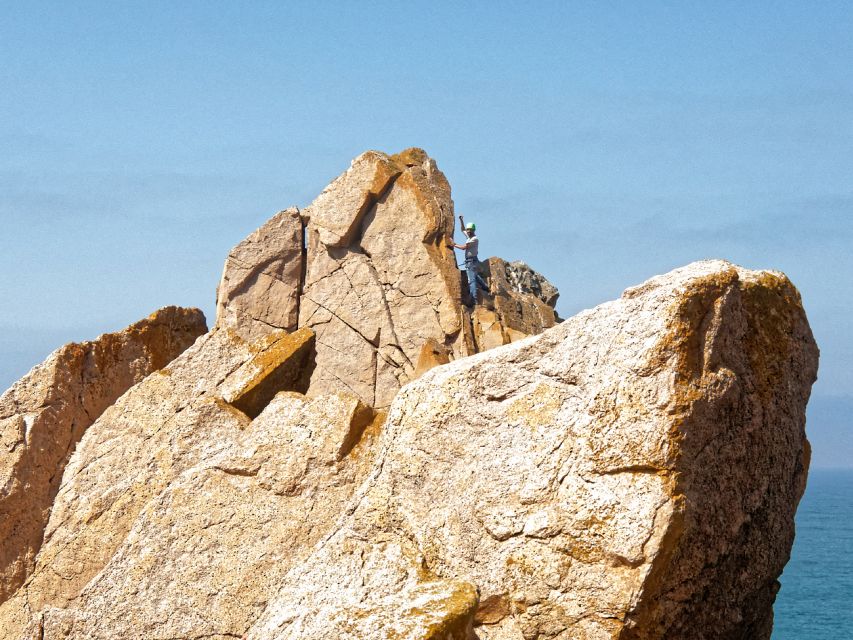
(474, 279)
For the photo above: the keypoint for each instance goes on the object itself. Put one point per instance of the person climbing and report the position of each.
(471, 261)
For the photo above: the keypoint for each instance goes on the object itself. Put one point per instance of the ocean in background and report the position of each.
(816, 599)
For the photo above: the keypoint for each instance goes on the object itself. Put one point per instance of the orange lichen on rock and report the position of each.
(283, 362)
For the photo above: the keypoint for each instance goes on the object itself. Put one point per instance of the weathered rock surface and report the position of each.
(523, 279)
(631, 473)
(259, 289)
(520, 303)
(385, 283)
(178, 514)
(375, 281)
(44, 415)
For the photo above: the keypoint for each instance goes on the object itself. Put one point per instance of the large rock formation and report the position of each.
(178, 513)
(631, 473)
(44, 415)
(375, 280)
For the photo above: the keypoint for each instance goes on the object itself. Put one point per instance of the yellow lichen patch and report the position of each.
(423, 203)
(773, 308)
(360, 418)
(432, 354)
(683, 349)
(410, 157)
(385, 172)
(233, 336)
(682, 346)
(369, 433)
(444, 611)
(240, 415)
(683, 338)
(538, 408)
(493, 609)
(282, 362)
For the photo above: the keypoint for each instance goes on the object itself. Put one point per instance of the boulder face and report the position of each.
(259, 289)
(179, 513)
(631, 473)
(380, 281)
(367, 267)
(44, 415)
(520, 303)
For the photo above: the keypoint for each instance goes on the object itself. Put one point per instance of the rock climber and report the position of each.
(471, 261)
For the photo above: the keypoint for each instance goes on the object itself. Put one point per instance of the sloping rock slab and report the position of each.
(178, 514)
(284, 362)
(44, 415)
(631, 473)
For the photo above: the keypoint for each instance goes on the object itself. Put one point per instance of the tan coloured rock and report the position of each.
(376, 280)
(284, 361)
(432, 354)
(44, 415)
(520, 303)
(522, 279)
(338, 211)
(631, 473)
(179, 514)
(259, 289)
(205, 551)
(380, 281)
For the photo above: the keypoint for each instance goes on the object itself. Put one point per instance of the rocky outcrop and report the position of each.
(629, 474)
(380, 281)
(44, 415)
(632, 473)
(179, 513)
(375, 280)
(520, 303)
(260, 286)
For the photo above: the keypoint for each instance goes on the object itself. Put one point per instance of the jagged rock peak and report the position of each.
(367, 267)
(523, 279)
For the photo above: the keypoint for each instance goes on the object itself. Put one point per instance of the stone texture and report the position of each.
(284, 361)
(259, 289)
(631, 473)
(520, 303)
(522, 279)
(380, 280)
(44, 415)
(338, 211)
(178, 513)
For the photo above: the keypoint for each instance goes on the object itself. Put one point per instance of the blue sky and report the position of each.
(603, 142)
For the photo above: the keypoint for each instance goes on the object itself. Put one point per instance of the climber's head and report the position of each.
(470, 228)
